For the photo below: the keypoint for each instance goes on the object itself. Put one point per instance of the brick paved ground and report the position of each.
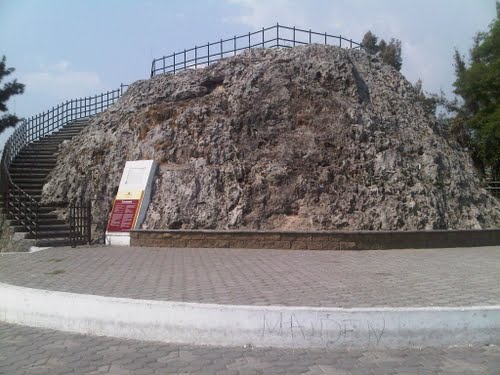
(424, 277)
(25, 350)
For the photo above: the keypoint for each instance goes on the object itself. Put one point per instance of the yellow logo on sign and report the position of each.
(130, 194)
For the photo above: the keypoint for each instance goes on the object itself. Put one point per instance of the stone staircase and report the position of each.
(29, 171)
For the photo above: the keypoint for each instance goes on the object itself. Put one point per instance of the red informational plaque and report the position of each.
(123, 215)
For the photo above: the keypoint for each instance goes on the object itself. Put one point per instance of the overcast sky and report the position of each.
(65, 49)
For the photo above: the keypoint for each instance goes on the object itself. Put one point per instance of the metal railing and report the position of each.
(274, 36)
(494, 188)
(80, 222)
(19, 205)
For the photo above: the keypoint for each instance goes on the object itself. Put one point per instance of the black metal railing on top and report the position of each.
(274, 36)
(19, 205)
(54, 119)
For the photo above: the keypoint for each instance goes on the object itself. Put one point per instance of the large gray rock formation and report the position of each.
(309, 138)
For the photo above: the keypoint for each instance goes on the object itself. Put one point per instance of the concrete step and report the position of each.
(56, 234)
(33, 163)
(28, 170)
(60, 137)
(21, 176)
(28, 179)
(69, 132)
(41, 221)
(42, 148)
(83, 120)
(30, 191)
(31, 157)
(74, 130)
(56, 242)
(36, 197)
(30, 185)
(45, 146)
(43, 228)
(37, 153)
(44, 215)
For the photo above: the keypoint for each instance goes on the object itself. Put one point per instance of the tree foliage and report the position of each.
(478, 85)
(390, 53)
(6, 91)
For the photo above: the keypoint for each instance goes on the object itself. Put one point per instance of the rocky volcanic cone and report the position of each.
(309, 138)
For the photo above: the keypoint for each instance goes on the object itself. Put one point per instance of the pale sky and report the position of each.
(65, 49)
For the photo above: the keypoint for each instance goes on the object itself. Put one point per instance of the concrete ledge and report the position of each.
(338, 240)
(288, 327)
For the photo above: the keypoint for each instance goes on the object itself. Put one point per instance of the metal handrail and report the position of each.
(19, 204)
(270, 37)
(493, 187)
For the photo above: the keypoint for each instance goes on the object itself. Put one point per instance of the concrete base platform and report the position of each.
(381, 299)
(276, 326)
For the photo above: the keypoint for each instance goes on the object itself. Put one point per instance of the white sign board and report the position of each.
(131, 202)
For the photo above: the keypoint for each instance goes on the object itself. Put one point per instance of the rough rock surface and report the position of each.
(309, 138)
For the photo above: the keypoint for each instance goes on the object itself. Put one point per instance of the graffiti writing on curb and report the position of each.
(323, 328)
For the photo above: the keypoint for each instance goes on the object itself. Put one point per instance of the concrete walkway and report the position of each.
(347, 279)
(290, 299)
(25, 350)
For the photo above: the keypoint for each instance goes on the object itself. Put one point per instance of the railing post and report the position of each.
(208, 54)
(185, 60)
(340, 40)
(195, 57)
(37, 214)
(263, 38)
(89, 222)
(174, 63)
(234, 45)
(71, 225)
(221, 52)
(294, 36)
(277, 35)
(7, 193)
(310, 36)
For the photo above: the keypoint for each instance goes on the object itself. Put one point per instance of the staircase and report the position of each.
(29, 171)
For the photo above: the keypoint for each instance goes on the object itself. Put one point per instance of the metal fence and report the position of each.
(19, 205)
(494, 188)
(80, 222)
(274, 36)
(54, 119)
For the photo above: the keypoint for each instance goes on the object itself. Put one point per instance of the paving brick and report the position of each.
(423, 277)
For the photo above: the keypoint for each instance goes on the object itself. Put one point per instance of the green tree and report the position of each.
(390, 53)
(6, 91)
(478, 85)
(370, 42)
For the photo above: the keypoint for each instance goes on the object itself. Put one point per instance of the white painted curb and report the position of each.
(277, 326)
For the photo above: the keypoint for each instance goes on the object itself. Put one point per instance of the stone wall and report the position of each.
(316, 240)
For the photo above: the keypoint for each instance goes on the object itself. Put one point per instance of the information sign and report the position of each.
(123, 215)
